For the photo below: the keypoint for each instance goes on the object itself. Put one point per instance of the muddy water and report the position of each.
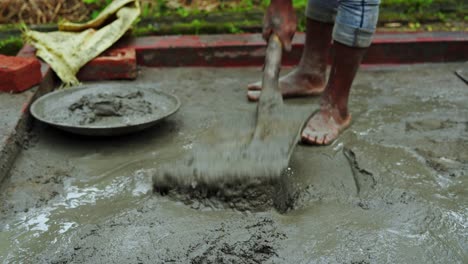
(392, 189)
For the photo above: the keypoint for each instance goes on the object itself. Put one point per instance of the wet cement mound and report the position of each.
(258, 196)
(254, 193)
(91, 109)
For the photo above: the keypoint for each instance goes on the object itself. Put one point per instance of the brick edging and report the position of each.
(249, 49)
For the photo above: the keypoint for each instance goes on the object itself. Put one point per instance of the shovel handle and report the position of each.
(270, 87)
(270, 99)
(272, 61)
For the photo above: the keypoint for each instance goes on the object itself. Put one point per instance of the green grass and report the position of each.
(246, 16)
(11, 46)
(157, 18)
(399, 10)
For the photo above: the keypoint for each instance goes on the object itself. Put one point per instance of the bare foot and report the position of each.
(295, 84)
(324, 126)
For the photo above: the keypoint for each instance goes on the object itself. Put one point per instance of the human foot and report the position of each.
(325, 126)
(297, 83)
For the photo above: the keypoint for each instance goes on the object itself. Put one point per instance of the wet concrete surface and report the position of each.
(392, 189)
(11, 114)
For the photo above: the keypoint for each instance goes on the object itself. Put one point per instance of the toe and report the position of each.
(304, 137)
(330, 138)
(326, 139)
(254, 86)
(320, 140)
(308, 137)
(253, 95)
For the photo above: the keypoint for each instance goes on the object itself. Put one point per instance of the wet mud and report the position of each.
(391, 189)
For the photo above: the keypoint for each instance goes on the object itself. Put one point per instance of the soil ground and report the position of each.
(391, 189)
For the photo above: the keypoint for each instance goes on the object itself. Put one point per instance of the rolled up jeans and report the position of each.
(355, 20)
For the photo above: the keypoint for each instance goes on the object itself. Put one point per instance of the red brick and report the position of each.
(18, 73)
(113, 64)
(27, 51)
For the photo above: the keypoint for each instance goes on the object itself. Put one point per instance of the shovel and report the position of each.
(260, 159)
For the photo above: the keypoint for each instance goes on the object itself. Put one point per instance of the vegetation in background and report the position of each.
(236, 16)
(163, 17)
(11, 45)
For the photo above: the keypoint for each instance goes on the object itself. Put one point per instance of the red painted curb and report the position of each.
(249, 49)
(18, 73)
(117, 63)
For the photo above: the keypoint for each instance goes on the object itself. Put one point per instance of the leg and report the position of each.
(349, 47)
(333, 116)
(309, 77)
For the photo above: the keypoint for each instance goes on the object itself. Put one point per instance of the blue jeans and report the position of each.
(355, 20)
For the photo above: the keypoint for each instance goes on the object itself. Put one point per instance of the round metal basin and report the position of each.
(54, 109)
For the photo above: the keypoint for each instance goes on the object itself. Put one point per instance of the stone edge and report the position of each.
(10, 146)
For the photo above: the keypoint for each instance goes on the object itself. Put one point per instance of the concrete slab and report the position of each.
(392, 189)
(11, 109)
(15, 118)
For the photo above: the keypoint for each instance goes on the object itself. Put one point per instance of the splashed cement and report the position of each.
(392, 189)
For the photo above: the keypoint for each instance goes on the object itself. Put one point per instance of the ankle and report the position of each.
(315, 71)
(338, 110)
(313, 63)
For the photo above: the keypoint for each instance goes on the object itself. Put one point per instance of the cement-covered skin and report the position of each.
(391, 189)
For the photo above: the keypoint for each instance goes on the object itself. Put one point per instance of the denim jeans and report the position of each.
(355, 20)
